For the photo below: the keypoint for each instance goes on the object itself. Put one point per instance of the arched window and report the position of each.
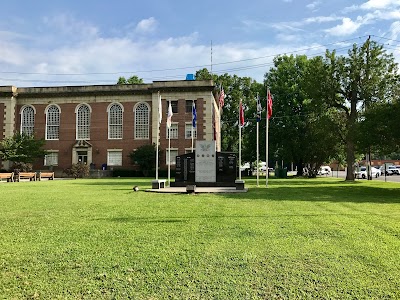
(115, 121)
(28, 120)
(52, 122)
(83, 122)
(142, 121)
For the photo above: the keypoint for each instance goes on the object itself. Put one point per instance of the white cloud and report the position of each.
(395, 30)
(321, 19)
(146, 25)
(313, 5)
(67, 25)
(347, 27)
(379, 4)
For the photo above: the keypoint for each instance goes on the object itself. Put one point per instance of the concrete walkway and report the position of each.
(182, 190)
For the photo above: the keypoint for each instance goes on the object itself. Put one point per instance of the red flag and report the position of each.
(269, 105)
(221, 97)
(241, 114)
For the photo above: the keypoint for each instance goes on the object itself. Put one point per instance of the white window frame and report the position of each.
(173, 156)
(52, 122)
(83, 128)
(115, 121)
(51, 159)
(28, 113)
(188, 131)
(142, 121)
(111, 161)
(174, 131)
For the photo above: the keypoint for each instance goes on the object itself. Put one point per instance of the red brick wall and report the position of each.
(181, 117)
(2, 112)
(99, 131)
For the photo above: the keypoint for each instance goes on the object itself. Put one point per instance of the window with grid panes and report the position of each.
(172, 131)
(51, 159)
(174, 106)
(115, 122)
(53, 123)
(83, 123)
(28, 120)
(142, 121)
(114, 157)
(188, 131)
(189, 105)
(174, 153)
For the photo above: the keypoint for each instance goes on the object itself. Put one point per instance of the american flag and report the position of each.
(241, 114)
(259, 109)
(221, 97)
(170, 114)
(269, 104)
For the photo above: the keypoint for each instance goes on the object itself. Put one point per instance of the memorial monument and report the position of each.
(206, 167)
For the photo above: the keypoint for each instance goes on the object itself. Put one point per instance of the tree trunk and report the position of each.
(299, 166)
(350, 138)
(350, 157)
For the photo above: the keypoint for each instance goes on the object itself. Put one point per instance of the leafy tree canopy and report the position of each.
(131, 80)
(145, 157)
(22, 148)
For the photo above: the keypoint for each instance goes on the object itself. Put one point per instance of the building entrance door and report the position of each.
(82, 157)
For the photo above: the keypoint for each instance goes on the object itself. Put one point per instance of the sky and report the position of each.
(91, 42)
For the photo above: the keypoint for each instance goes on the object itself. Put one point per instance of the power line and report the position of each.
(179, 68)
(177, 76)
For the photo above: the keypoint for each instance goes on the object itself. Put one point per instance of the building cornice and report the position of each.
(104, 90)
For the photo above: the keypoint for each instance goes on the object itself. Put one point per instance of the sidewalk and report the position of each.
(182, 190)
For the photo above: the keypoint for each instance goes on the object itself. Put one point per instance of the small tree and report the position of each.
(145, 157)
(22, 149)
(131, 80)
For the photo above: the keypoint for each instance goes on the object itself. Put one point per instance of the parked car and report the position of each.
(324, 170)
(392, 170)
(362, 173)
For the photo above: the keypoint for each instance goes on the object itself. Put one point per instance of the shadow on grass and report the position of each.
(325, 190)
(285, 189)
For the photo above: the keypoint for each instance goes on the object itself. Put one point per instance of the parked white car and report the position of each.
(324, 170)
(391, 170)
(362, 173)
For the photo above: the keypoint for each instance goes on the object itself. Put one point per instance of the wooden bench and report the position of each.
(26, 175)
(49, 175)
(8, 176)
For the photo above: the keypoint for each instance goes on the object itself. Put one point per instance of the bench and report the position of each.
(26, 175)
(49, 175)
(8, 176)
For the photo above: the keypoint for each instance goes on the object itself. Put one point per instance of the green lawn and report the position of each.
(298, 239)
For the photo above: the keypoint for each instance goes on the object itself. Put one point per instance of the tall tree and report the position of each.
(236, 88)
(350, 84)
(300, 131)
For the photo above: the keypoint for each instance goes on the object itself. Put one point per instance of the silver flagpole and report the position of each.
(266, 143)
(158, 132)
(192, 126)
(169, 150)
(258, 152)
(240, 144)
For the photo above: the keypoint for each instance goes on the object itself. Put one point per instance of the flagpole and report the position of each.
(158, 132)
(258, 152)
(266, 141)
(240, 142)
(169, 151)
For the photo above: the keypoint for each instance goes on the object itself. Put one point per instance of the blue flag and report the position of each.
(194, 115)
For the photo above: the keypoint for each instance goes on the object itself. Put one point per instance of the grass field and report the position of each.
(298, 239)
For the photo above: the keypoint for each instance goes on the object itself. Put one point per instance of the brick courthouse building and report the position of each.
(100, 125)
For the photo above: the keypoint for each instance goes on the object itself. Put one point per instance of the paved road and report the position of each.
(342, 174)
